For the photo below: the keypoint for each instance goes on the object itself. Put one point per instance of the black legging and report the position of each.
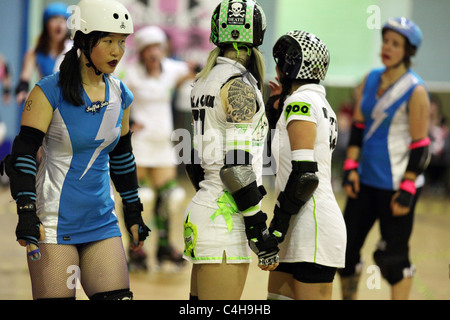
(360, 214)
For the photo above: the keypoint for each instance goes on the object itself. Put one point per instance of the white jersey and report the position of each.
(152, 106)
(317, 233)
(210, 125)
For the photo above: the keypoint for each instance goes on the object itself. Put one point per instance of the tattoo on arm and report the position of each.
(241, 102)
(28, 105)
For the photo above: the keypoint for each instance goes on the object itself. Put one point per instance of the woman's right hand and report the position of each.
(275, 87)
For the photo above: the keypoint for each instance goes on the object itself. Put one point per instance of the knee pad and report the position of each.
(123, 294)
(169, 198)
(394, 265)
(351, 269)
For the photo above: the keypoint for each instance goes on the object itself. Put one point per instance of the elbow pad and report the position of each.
(300, 187)
(123, 169)
(356, 134)
(240, 180)
(419, 156)
(21, 166)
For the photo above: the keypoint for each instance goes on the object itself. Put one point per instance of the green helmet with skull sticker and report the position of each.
(238, 21)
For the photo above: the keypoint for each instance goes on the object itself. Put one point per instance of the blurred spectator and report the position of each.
(5, 79)
(437, 172)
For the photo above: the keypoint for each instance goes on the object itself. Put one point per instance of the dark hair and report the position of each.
(70, 75)
(43, 44)
(410, 51)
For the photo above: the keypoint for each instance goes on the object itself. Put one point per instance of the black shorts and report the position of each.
(308, 272)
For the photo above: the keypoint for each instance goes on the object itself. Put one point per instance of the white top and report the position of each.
(210, 128)
(317, 233)
(152, 106)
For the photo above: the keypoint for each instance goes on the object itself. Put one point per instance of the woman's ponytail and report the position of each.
(70, 77)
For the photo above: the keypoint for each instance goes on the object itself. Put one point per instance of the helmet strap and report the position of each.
(91, 64)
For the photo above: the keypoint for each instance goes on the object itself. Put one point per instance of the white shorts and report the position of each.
(151, 153)
(209, 234)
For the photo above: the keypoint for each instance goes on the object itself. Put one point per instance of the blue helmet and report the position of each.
(55, 9)
(406, 28)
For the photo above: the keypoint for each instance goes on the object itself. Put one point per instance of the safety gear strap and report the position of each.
(356, 134)
(419, 156)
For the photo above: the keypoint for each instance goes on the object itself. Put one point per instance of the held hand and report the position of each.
(261, 241)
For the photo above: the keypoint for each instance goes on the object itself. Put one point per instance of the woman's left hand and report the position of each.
(398, 210)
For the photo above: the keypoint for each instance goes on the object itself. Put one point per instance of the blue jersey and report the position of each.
(75, 199)
(45, 63)
(385, 149)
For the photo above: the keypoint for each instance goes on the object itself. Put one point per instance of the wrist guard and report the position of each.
(22, 86)
(28, 226)
(132, 213)
(260, 240)
(349, 166)
(299, 189)
(407, 192)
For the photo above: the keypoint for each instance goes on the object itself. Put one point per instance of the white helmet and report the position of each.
(101, 15)
(149, 35)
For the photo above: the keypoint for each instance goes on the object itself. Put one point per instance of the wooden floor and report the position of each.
(430, 252)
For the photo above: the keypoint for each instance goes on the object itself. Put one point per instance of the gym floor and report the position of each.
(430, 253)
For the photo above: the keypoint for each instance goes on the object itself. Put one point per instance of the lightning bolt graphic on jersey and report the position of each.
(378, 116)
(387, 100)
(107, 132)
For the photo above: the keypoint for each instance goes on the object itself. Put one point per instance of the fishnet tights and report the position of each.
(101, 265)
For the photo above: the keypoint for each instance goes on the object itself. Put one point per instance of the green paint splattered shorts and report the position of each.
(211, 232)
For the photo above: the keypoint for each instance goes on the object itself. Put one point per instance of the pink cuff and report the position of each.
(420, 143)
(350, 164)
(408, 186)
(359, 125)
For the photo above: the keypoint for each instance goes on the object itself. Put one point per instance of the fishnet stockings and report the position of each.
(101, 265)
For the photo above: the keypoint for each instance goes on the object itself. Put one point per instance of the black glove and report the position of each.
(260, 240)
(279, 224)
(132, 215)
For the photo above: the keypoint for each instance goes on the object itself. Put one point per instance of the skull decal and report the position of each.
(236, 13)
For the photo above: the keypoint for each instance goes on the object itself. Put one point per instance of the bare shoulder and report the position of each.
(37, 111)
(239, 101)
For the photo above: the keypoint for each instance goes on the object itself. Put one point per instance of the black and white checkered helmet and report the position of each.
(301, 55)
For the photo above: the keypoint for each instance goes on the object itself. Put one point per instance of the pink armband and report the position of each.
(350, 164)
(420, 143)
(408, 186)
